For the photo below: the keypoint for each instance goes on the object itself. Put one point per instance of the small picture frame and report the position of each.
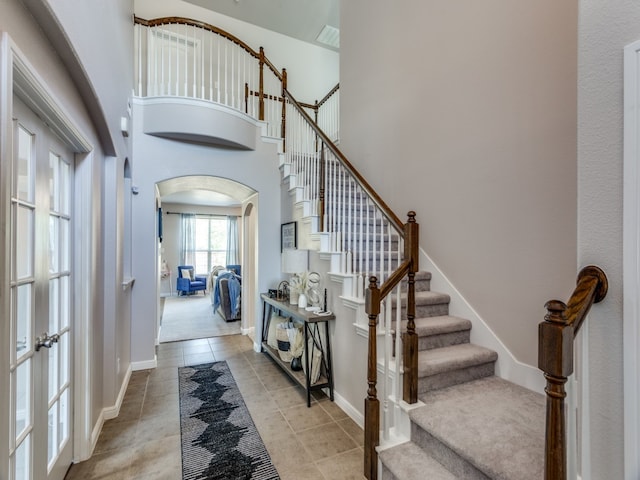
(288, 235)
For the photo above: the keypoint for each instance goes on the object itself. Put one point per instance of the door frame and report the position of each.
(631, 259)
(17, 75)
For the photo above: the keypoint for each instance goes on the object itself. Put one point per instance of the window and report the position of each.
(211, 243)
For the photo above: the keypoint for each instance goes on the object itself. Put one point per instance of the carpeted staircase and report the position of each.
(473, 425)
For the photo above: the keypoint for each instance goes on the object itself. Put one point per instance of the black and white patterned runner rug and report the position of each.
(219, 438)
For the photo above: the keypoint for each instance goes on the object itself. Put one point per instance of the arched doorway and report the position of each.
(250, 249)
(193, 221)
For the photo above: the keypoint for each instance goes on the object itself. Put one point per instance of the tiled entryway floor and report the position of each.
(143, 442)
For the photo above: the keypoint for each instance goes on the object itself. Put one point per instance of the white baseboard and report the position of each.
(95, 433)
(248, 331)
(145, 364)
(507, 366)
(108, 413)
(113, 412)
(349, 409)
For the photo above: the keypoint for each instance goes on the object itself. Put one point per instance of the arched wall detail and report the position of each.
(158, 159)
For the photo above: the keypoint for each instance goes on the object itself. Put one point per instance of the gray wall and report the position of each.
(104, 64)
(605, 28)
(465, 112)
(104, 49)
(159, 159)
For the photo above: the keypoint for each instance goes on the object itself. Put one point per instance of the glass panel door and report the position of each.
(40, 303)
(22, 308)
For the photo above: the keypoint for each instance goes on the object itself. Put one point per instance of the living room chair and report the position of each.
(189, 282)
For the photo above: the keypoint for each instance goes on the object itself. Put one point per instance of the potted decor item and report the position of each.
(298, 286)
(297, 348)
(304, 284)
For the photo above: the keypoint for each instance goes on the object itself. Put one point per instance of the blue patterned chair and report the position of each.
(189, 282)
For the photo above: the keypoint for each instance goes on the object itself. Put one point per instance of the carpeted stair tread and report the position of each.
(439, 325)
(409, 462)
(423, 298)
(493, 424)
(455, 357)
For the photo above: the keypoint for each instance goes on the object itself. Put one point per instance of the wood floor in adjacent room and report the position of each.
(143, 442)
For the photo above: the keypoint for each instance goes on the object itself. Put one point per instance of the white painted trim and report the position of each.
(113, 412)
(182, 101)
(31, 87)
(95, 435)
(631, 261)
(248, 331)
(507, 366)
(107, 414)
(584, 405)
(145, 364)
(349, 409)
(6, 132)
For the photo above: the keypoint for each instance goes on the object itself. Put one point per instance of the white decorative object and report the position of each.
(295, 262)
(302, 301)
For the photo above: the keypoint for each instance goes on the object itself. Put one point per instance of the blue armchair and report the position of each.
(189, 282)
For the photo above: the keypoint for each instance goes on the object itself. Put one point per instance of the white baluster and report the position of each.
(195, 60)
(233, 76)
(398, 356)
(388, 342)
(218, 42)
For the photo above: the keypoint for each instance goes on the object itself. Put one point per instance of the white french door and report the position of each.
(40, 427)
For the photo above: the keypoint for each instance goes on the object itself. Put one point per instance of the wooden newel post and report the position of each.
(261, 87)
(371, 403)
(410, 337)
(555, 359)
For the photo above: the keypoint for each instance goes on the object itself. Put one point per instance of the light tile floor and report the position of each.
(143, 442)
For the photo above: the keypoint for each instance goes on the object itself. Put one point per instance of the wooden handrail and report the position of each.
(157, 22)
(377, 200)
(318, 104)
(555, 358)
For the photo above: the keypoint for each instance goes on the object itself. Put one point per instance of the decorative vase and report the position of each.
(302, 301)
(293, 296)
(296, 364)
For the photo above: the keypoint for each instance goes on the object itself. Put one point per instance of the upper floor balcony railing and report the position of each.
(186, 58)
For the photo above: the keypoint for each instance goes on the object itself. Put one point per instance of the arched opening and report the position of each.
(250, 249)
(200, 225)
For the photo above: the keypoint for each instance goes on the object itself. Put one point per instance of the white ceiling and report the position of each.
(204, 190)
(301, 19)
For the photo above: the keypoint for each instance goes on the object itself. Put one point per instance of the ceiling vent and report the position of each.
(329, 36)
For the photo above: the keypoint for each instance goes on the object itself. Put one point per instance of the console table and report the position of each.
(311, 326)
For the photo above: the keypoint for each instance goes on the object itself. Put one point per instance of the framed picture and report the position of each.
(288, 235)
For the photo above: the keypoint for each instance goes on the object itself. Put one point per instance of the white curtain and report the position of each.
(232, 240)
(188, 239)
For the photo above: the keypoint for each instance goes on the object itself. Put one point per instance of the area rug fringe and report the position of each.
(219, 439)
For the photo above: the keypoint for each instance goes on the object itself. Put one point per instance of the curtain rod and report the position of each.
(201, 214)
